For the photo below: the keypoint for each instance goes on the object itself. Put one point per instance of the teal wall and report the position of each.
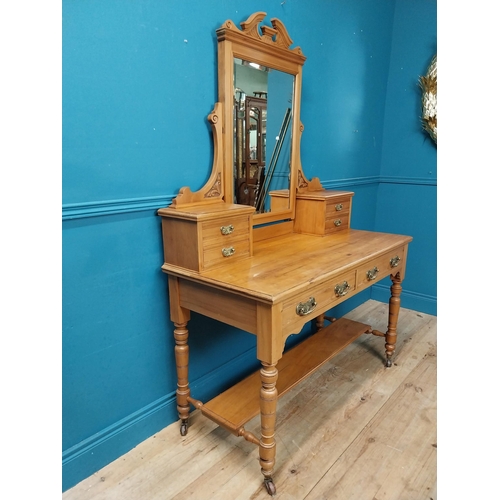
(407, 191)
(139, 79)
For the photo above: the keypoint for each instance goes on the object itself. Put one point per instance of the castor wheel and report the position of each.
(388, 363)
(184, 428)
(269, 484)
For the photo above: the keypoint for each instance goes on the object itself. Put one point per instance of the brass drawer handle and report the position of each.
(337, 222)
(342, 289)
(339, 207)
(227, 229)
(227, 252)
(304, 308)
(395, 261)
(372, 273)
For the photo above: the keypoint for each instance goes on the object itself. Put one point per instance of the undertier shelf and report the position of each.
(236, 406)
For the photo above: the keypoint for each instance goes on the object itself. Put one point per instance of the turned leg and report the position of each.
(394, 304)
(320, 322)
(182, 361)
(267, 445)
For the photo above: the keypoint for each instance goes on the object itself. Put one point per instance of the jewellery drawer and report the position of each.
(322, 212)
(202, 237)
(226, 251)
(317, 300)
(224, 230)
(338, 206)
(337, 223)
(379, 268)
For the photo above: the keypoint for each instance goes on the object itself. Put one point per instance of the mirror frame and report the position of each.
(270, 49)
(269, 46)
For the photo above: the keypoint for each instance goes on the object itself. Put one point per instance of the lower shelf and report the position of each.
(240, 403)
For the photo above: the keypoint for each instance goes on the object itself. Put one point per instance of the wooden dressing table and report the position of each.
(268, 273)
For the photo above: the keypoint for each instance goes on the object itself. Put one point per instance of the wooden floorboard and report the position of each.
(353, 430)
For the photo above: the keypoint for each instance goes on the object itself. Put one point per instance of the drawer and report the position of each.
(337, 207)
(379, 268)
(220, 254)
(225, 239)
(193, 238)
(323, 212)
(316, 300)
(337, 223)
(224, 230)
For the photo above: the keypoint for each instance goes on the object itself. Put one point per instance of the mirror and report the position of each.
(263, 101)
(256, 124)
(260, 80)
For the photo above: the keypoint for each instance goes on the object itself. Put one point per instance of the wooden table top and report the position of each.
(281, 266)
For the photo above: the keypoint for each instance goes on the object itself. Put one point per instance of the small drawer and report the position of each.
(379, 268)
(193, 238)
(323, 212)
(225, 239)
(337, 223)
(216, 255)
(317, 300)
(338, 207)
(225, 229)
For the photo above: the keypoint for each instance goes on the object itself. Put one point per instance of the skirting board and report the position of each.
(88, 456)
(409, 300)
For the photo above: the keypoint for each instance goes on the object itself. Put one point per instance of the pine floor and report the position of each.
(354, 430)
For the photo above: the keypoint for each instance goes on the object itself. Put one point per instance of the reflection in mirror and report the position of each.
(263, 100)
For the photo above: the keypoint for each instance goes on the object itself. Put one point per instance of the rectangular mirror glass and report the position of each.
(262, 131)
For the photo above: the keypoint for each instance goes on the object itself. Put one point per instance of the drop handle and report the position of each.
(371, 274)
(305, 308)
(395, 261)
(225, 230)
(342, 289)
(227, 252)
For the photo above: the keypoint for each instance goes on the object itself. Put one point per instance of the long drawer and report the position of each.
(318, 299)
(380, 267)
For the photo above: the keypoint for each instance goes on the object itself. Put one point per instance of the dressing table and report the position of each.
(263, 248)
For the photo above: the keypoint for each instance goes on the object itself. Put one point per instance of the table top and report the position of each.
(283, 265)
